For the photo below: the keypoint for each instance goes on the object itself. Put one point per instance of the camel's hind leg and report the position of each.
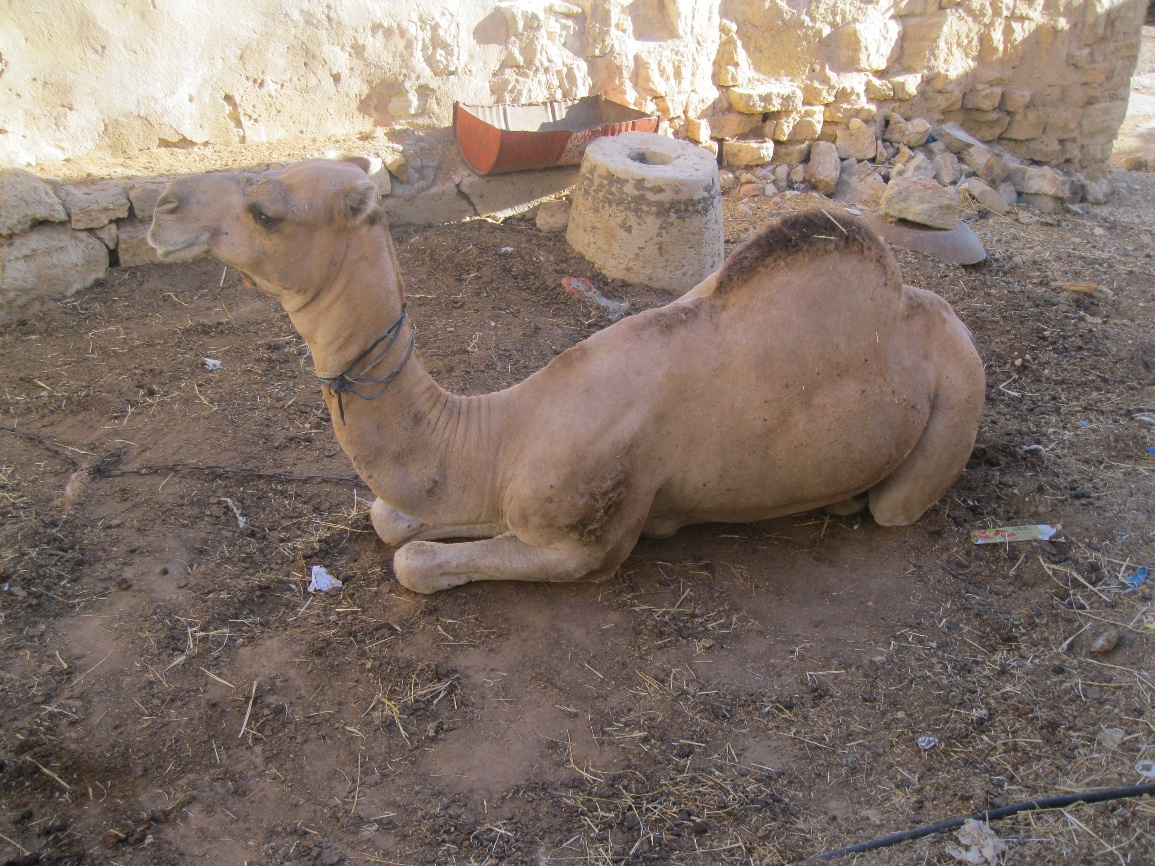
(940, 455)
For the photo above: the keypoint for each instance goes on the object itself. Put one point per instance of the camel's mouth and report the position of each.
(188, 249)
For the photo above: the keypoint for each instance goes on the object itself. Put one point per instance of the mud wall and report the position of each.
(1048, 79)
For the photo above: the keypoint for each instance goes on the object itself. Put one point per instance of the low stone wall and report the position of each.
(1048, 79)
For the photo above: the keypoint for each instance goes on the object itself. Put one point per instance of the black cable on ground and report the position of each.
(1059, 802)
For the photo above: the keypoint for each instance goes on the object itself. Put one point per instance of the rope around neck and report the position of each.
(347, 380)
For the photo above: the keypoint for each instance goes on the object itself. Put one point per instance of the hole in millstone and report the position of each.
(651, 157)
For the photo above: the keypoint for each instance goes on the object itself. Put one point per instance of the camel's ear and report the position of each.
(361, 162)
(359, 201)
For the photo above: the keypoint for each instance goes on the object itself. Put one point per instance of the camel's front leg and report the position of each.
(396, 527)
(425, 567)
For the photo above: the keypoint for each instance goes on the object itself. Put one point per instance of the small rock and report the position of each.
(861, 186)
(791, 152)
(51, 261)
(1008, 193)
(921, 201)
(824, 167)
(856, 141)
(552, 216)
(1043, 203)
(1106, 640)
(1040, 180)
(1138, 163)
(946, 169)
(912, 133)
(26, 200)
(781, 177)
(748, 189)
(797, 174)
(726, 180)
(132, 244)
(143, 196)
(991, 168)
(985, 196)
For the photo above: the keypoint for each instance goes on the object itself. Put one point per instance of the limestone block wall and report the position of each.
(1047, 79)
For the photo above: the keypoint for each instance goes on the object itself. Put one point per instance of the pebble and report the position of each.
(1106, 640)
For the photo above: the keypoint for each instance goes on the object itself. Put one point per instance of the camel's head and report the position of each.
(288, 230)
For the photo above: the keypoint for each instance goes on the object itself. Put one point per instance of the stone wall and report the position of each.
(1048, 79)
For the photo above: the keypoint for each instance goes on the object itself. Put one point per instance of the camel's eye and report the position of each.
(263, 219)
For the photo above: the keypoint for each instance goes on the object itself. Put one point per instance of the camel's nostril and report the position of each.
(167, 204)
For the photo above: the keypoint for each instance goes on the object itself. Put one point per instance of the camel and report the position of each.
(801, 375)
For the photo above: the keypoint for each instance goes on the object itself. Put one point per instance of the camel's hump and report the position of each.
(809, 233)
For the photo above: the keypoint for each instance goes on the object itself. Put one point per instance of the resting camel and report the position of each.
(803, 374)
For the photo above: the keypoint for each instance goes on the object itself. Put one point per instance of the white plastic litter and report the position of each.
(927, 743)
(212, 364)
(322, 581)
(1146, 769)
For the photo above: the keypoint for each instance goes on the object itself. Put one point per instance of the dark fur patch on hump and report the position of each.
(811, 234)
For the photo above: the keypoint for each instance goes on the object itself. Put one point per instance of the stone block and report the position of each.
(26, 200)
(866, 45)
(985, 196)
(1102, 120)
(860, 186)
(808, 125)
(731, 124)
(987, 125)
(955, 137)
(132, 244)
(946, 168)
(991, 168)
(505, 194)
(768, 96)
(1063, 123)
(1040, 180)
(1015, 99)
(49, 261)
(856, 141)
(552, 216)
(697, 130)
(879, 90)
(143, 195)
(791, 152)
(912, 133)
(738, 153)
(824, 167)
(92, 204)
(1026, 124)
(906, 86)
(1043, 203)
(986, 99)
(107, 234)
(921, 201)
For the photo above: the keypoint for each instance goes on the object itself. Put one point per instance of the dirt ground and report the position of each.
(170, 694)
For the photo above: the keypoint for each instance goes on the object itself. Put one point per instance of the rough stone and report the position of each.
(505, 194)
(983, 161)
(49, 261)
(922, 201)
(26, 200)
(824, 167)
(798, 172)
(552, 216)
(91, 205)
(769, 96)
(1043, 203)
(985, 196)
(648, 209)
(791, 152)
(1026, 124)
(731, 124)
(1015, 100)
(108, 235)
(954, 137)
(143, 195)
(860, 186)
(132, 244)
(1008, 193)
(906, 86)
(738, 153)
(442, 203)
(946, 169)
(912, 133)
(986, 99)
(697, 131)
(856, 141)
(1040, 180)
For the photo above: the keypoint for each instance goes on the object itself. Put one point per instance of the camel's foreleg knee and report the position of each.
(395, 527)
(427, 567)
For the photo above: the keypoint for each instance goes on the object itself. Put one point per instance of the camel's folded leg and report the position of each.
(396, 528)
(426, 567)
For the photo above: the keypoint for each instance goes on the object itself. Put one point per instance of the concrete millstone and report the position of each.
(648, 209)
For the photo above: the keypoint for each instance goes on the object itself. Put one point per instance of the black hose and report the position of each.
(1059, 802)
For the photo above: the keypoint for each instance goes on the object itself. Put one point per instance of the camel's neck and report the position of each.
(422, 450)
